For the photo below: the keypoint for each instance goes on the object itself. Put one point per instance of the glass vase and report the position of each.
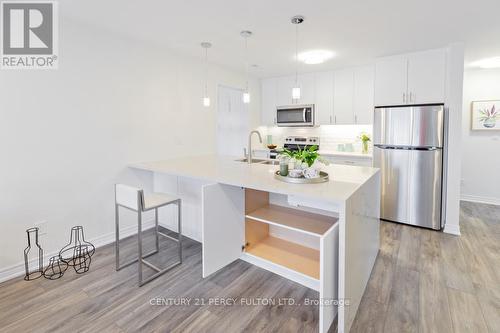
(364, 147)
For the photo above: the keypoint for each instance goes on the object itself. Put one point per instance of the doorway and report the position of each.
(232, 121)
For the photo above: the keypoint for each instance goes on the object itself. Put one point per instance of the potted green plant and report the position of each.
(304, 160)
(365, 139)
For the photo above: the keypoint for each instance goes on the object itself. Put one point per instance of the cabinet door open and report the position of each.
(223, 225)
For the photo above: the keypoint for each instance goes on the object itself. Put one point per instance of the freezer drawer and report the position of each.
(411, 185)
(411, 126)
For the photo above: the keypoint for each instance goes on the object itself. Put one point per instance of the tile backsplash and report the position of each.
(330, 135)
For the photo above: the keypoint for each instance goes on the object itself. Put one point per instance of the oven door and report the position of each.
(295, 116)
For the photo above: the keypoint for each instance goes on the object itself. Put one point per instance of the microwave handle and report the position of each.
(304, 115)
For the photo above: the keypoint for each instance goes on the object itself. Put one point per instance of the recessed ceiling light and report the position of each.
(315, 56)
(487, 63)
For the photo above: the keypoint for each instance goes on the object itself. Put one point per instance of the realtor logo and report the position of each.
(29, 35)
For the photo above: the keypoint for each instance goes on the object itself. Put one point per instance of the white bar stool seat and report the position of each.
(133, 198)
(156, 200)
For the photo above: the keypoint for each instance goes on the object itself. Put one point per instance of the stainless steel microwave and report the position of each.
(295, 116)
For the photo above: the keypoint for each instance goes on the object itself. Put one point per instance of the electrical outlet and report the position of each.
(42, 227)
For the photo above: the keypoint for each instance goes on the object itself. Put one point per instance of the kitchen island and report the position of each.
(324, 236)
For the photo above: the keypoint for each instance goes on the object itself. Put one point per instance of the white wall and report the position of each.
(66, 136)
(481, 150)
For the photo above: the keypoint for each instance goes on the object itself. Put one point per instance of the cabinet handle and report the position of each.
(335, 119)
(355, 119)
(330, 119)
(275, 121)
(404, 97)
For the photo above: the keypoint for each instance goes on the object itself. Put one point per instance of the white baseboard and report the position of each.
(452, 229)
(18, 269)
(480, 199)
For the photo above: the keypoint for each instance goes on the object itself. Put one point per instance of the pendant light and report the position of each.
(206, 99)
(246, 94)
(296, 89)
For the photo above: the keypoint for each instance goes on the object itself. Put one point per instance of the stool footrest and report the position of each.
(167, 236)
(154, 276)
(150, 265)
(149, 254)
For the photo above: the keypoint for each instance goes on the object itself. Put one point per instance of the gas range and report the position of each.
(295, 142)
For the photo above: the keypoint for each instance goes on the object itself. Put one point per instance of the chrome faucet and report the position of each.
(249, 156)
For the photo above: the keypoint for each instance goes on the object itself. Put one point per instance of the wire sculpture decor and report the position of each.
(55, 269)
(37, 272)
(78, 252)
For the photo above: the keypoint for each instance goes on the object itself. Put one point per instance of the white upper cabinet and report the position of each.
(284, 95)
(269, 101)
(343, 96)
(426, 77)
(340, 97)
(391, 75)
(307, 86)
(323, 107)
(415, 78)
(364, 86)
(285, 85)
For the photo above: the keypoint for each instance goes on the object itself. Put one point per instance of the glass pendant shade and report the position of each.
(206, 101)
(296, 93)
(246, 97)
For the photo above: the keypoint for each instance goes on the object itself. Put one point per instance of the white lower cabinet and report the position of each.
(297, 244)
(351, 160)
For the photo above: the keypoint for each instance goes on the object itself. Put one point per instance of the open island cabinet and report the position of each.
(299, 244)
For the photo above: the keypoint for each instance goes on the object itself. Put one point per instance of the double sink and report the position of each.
(259, 161)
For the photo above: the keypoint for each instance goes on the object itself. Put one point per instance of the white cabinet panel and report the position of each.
(343, 91)
(352, 160)
(415, 78)
(391, 76)
(364, 85)
(307, 89)
(324, 98)
(426, 77)
(285, 85)
(223, 225)
(269, 101)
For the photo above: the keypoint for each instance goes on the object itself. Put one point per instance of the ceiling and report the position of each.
(357, 31)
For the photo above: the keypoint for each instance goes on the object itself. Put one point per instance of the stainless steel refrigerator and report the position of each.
(408, 149)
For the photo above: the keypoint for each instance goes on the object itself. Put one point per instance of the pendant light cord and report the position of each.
(296, 54)
(206, 71)
(246, 64)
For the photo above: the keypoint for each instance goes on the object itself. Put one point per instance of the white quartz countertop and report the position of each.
(344, 180)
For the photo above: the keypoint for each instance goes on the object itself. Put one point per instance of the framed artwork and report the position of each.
(485, 115)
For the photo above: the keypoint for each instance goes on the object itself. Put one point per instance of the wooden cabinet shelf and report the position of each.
(291, 255)
(310, 223)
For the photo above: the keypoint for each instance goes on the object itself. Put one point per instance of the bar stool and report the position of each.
(133, 198)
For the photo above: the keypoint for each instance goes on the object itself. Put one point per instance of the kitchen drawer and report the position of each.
(350, 161)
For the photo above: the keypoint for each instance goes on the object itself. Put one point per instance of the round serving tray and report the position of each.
(323, 177)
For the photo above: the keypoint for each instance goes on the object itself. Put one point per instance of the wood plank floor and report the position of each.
(423, 281)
